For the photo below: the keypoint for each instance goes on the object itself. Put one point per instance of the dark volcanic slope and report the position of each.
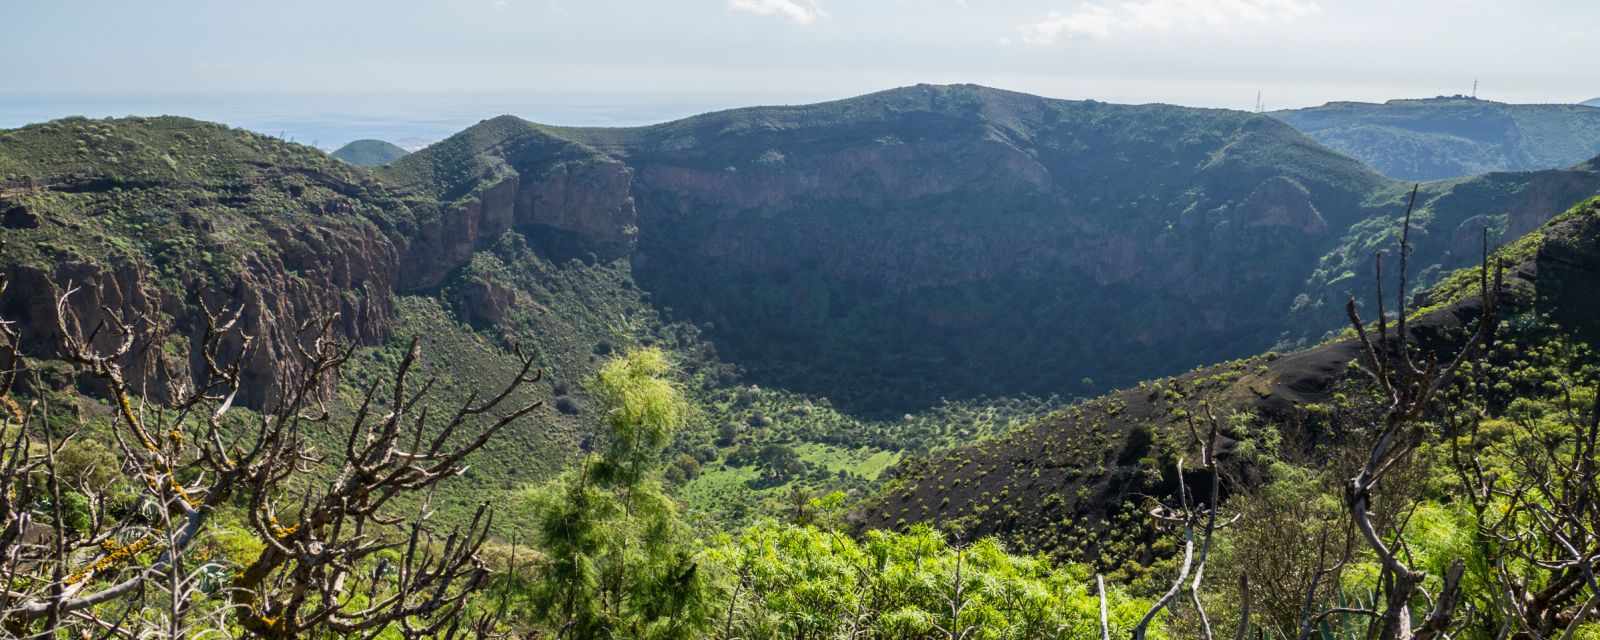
(928, 242)
(1057, 485)
(1451, 137)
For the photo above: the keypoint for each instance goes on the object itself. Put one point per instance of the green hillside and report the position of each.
(369, 153)
(1450, 137)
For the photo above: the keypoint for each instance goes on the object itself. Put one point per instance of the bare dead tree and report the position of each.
(1196, 521)
(337, 555)
(35, 540)
(1105, 616)
(1323, 571)
(1243, 630)
(1409, 388)
(956, 602)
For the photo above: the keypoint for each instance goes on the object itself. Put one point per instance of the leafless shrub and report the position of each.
(335, 554)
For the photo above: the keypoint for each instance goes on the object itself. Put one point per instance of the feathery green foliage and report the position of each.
(617, 559)
(805, 582)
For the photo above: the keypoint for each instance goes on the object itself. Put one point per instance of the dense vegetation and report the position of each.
(369, 153)
(1452, 137)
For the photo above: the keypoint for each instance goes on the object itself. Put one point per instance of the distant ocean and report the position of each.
(412, 121)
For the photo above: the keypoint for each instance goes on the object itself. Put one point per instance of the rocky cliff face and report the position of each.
(273, 297)
(575, 200)
(278, 232)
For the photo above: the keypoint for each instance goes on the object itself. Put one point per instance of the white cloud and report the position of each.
(796, 11)
(1095, 19)
(1090, 20)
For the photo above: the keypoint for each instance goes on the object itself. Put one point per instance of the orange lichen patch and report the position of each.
(183, 493)
(279, 530)
(126, 408)
(269, 621)
(155, 452)
(115, 555)
(12, 406)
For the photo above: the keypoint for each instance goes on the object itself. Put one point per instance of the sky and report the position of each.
(622, 61)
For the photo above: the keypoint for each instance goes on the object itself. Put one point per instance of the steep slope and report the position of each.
(138, 213)
(142, 213)
(1452, 220)
(1076, 481)
(929, 242)
(1450, 137)
(144, 216)
(891, 249)
(369, 153)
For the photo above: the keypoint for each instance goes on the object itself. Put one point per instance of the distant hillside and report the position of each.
(370, 153)
(1451, 137)
(1593, 103)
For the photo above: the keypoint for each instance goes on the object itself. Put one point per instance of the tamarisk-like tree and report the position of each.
(1536, 504)
(336, 553)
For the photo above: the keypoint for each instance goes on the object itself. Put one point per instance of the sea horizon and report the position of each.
(329, 120)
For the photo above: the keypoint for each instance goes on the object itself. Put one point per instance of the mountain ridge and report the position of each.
(1452, 136)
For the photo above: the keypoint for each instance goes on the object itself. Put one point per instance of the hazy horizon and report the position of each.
(413, 73)
(409, 119)
(1204, 53)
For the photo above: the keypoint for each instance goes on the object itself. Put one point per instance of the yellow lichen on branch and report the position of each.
(115, 554)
